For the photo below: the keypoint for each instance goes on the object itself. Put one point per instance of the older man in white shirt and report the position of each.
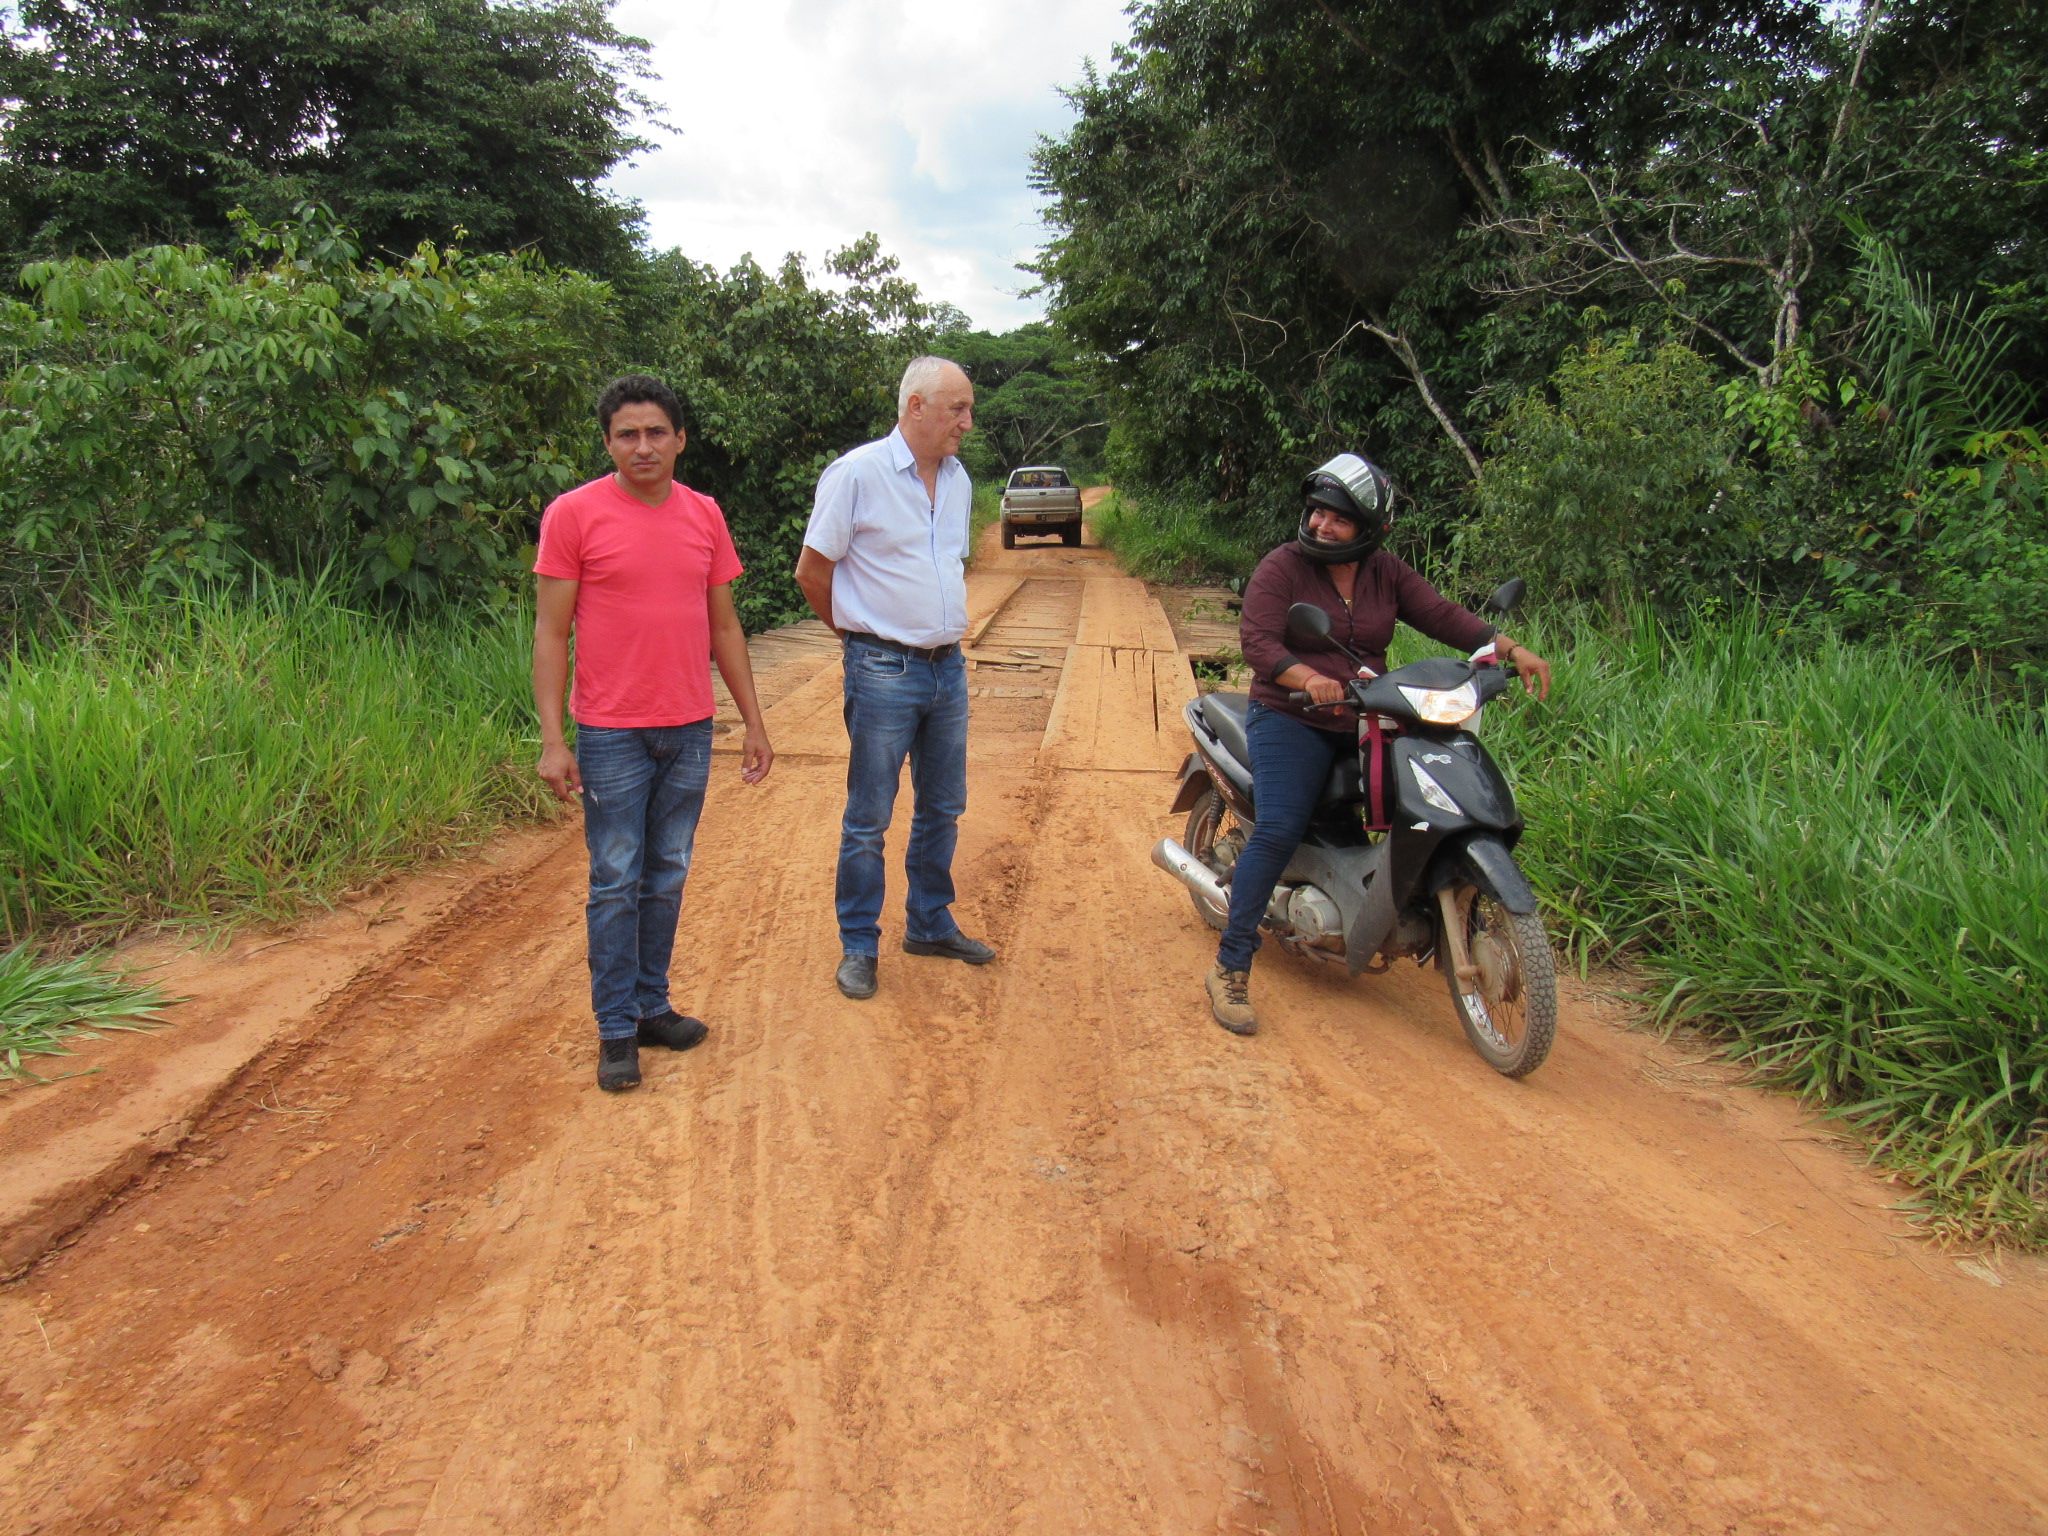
(883, 565)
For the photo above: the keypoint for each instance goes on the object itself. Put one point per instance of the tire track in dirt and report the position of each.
(1028, 1248)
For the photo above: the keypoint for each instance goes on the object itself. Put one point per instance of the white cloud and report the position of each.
(805, 123)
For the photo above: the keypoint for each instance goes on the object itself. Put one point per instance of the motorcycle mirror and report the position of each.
(1305, 621)
(1506, 597)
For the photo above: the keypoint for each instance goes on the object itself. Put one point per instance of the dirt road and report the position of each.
(1034, 1248)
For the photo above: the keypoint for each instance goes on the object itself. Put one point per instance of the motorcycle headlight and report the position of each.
(1444, 706)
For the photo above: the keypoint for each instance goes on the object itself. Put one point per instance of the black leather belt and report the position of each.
(921, 652)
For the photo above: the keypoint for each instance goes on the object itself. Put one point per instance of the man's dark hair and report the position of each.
(637, 389)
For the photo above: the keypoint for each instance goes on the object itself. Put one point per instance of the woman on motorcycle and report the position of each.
(1336, 563)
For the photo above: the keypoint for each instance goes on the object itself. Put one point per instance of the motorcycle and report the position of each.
(1409, 852)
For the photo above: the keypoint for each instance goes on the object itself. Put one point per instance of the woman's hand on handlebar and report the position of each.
(1305, 685)
(1324, 690)
(1534, 670)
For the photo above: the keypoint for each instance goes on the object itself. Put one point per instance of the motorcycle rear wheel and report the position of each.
(1509, 1008)
(1207, 821)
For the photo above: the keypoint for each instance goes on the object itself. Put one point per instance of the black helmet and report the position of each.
(1354, 488)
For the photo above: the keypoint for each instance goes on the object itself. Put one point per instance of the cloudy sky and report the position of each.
(805, 123)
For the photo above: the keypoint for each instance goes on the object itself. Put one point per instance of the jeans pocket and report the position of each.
(875, 663)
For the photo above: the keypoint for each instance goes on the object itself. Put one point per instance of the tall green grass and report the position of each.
(1171, 541)
(987, 508)
(207, 758)
(1834, 855)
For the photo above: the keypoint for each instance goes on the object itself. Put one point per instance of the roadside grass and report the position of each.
(1165, 541)
(43, 1001)
(202, 760)
(988, 506)
(194, 760)
(1831, 856)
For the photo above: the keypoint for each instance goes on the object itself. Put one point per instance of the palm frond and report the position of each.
(1938, 366)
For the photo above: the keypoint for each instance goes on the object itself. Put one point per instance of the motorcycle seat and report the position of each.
(1225, 714)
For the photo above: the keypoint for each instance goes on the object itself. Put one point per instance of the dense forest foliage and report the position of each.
(309, 286)
(1639, 299)
(138, 122)
(294, 406)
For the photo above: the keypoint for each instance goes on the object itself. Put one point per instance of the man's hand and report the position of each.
(729, 650)
(756, 756)
(558, 767)
(554, 614)
(1324, 690)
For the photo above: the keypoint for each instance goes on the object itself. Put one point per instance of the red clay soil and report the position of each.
(1031, 1248)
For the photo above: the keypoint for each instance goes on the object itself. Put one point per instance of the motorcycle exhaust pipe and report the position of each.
(1190, 872)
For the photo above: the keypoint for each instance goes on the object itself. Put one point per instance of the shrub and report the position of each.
(172, 414)
(1628, 483)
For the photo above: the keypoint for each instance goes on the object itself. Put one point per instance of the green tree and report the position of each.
(1289, 228)
(779, 374)
(132, 122)
(1034, 400)
(1258, 216)
(1738, 220)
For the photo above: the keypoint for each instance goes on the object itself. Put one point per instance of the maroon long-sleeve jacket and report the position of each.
(1386, 589)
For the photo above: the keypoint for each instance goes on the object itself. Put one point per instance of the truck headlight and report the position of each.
(1444, 706)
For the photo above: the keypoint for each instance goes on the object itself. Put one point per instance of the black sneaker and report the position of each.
(673, 1030)
(618, 1064)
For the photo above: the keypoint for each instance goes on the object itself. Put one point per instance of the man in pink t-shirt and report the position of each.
(640, 568)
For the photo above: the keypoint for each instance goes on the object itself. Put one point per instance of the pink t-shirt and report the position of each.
(643, 633)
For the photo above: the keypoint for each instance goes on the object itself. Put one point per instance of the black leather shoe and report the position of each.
(618, 1065)
(956, 946)
(673, 1030)
(856, 975)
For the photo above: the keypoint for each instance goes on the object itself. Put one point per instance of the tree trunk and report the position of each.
(1397, 343)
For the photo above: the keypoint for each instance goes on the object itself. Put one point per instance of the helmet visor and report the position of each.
(1366, 486)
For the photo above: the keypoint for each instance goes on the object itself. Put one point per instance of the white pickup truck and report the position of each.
(1041, 499)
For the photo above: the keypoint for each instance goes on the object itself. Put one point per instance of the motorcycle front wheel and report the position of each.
(1503, 984)
(1208, 819)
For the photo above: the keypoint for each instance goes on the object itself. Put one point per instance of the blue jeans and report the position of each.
(1290, 764)
(896, 707)
(643, 790)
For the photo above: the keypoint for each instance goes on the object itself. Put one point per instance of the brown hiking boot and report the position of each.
(1230, 999)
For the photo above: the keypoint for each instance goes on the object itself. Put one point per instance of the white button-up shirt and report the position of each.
(898, 554)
